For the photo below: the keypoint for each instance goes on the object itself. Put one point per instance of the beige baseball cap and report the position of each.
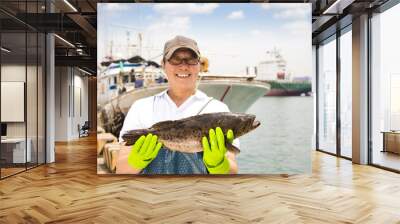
(180, 42)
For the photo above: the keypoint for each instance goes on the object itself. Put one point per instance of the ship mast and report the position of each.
(140, 43)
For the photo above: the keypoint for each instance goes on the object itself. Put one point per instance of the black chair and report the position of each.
(84, 130)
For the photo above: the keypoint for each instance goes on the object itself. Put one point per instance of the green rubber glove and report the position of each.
(144, 151)
(214, 157)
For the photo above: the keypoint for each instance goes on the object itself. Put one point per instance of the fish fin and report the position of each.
(232, 148)
(130, 137)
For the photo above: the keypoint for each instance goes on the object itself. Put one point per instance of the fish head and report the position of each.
(243, 123)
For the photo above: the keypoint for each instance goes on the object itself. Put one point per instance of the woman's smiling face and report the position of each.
(182, 70)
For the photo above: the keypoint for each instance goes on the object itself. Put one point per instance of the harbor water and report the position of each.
(282, 144)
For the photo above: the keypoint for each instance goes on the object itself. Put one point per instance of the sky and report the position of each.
(231, 35)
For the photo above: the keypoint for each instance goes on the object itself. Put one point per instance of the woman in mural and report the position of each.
(181, 63)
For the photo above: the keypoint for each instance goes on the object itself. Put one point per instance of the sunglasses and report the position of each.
(179, 61)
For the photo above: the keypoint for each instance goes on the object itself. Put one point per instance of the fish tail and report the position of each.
(131, 136)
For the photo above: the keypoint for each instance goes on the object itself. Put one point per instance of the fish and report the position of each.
(185, 135)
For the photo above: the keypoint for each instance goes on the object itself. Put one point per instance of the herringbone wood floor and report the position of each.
(70, 191)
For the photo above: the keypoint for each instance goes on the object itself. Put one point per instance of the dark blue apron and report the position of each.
(174, 162)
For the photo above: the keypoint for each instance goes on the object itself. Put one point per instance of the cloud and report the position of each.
(230, 50)
(171, 24)
(255, 32)
(162, 30)
(236, 15)
(249, 49)
(294, 13)
(114, 7)
(288, 11)
(270, 6)
(297, 27)
(149, 17)
(265, 6)
(185, 9)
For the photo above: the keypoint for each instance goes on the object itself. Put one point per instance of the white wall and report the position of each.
(61, 103)
(80, 110)
(33, 126)
(71, 94)
(14, 72)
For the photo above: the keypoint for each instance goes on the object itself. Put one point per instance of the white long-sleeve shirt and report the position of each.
(147, 111)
